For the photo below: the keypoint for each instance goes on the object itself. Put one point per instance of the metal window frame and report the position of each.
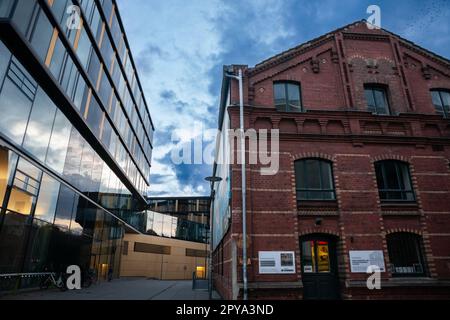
(287, 107)
(321, 176)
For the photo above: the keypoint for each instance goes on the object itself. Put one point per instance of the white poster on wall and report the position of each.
(361, 260)
(276, 262)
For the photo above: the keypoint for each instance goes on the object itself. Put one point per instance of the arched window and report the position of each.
(405, 254)
(314, 180)
(287, 96)
(377, 98)
(441, 101)
(394, 181)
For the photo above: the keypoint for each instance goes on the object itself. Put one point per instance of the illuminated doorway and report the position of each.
(319, 267)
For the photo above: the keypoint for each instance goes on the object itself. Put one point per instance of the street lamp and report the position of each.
(212, 180)
(239, 77)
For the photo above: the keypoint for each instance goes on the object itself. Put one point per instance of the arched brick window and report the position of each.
(406, 254)
(314, 179)
(394, 181)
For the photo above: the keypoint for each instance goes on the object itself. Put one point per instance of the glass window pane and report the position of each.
(15, 108)
(327, 178)
(105, 89)
(42, 35)
(313, 174)
(294, 96)
(7, 165)
(323, 257)
(308, 257)
(6, 7)
(94, 68)
(59, 9)
(391, 175)
(57, 59)
(81, 93)
(371, 106)
(436, 97)
(65, 208)
(4, 61)
(13, 234)
(381, 101)
(22, 14)
(280, 94)
(20, 201)
(84, 48)
(94, 117)
(48, 195)
(29, 169)
(40, 125)
(299, 174)
(59, 141)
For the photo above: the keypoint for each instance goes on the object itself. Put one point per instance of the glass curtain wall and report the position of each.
(46, 226)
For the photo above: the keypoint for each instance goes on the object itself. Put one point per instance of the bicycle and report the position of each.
(51, 281)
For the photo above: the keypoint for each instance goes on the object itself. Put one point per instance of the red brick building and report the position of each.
(364, 172)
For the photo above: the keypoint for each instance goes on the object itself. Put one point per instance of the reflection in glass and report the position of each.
(7, 163)
(20, 201)
(13, 235)
(41, 35)
(14, 108)
(48, 195)
(40, 125)
(22, 14)
(59, 140)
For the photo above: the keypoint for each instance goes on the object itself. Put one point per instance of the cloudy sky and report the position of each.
(180, 47)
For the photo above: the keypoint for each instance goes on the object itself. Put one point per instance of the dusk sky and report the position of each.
(180, 47)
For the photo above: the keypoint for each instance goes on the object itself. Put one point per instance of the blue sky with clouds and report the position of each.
(180, 47)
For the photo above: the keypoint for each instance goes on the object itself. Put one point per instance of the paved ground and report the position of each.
(122, 289)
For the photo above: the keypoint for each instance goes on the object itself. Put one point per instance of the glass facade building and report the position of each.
(183, 218)
(75, 137)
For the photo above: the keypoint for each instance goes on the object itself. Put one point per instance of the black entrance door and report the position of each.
(319, 267)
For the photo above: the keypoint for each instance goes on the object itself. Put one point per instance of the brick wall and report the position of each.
(332, 73)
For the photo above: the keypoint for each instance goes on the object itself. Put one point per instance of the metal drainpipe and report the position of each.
(244, 187)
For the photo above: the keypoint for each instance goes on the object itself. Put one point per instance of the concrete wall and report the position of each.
(173, 266)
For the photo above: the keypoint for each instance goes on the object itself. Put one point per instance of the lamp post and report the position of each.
(239, 77)
(211, 228)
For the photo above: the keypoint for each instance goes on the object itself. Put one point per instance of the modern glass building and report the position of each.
(183, 218)
(75, 137)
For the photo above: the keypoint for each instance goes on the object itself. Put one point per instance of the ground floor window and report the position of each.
(406, 254)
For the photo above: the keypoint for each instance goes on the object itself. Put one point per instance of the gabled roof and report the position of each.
(304, 47)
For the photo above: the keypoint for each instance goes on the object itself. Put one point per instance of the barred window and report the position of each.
(405, 254)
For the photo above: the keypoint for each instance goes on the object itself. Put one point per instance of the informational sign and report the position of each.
(361, 260)
(276, 262)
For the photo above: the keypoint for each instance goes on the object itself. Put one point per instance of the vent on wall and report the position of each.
(151, 248)
(196, 253)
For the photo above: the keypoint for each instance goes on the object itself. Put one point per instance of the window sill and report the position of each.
(400, 209)
(402, 282)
